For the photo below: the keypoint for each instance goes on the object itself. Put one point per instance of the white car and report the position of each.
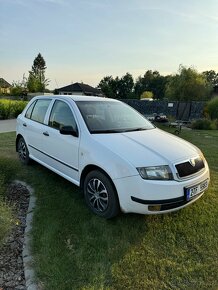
(119, 159)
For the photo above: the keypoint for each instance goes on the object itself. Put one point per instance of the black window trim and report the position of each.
(52, 106)
(33, 103)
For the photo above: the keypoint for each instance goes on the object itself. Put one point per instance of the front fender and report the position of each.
(98, 155)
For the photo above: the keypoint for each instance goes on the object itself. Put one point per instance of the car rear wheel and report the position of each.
(23, 151)
(100, 194)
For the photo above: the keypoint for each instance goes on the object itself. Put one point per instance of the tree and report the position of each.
(107, 86)
(36, 80)
(151, 81)
(19, 88)
(187, 85)
(211, 77)
(118, 88)
(125, 86)
(147, 95)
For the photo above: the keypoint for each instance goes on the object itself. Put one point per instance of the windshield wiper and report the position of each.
(134, 129)
(105, 131)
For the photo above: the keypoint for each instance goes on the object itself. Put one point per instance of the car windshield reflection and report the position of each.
(102, 117)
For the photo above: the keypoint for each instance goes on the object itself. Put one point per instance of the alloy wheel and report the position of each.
(22, 150)
(97, 195)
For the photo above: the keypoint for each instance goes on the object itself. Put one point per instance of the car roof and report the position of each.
(77, 98)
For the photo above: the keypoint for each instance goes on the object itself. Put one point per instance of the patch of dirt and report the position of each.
(11, 261)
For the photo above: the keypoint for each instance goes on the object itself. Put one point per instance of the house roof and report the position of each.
(4, 83)
(79, 87)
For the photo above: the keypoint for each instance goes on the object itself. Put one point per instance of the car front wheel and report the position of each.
(100, 194)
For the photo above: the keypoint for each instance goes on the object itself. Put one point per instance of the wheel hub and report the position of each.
(98, 195)
(22, 150)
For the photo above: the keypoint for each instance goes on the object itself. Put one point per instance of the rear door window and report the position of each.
(39, 110)
(29, 110)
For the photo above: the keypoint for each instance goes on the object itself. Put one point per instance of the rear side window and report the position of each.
(29, 110)
(39, 110)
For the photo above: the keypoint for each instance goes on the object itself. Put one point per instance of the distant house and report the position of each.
(5, 87)
(78, 89)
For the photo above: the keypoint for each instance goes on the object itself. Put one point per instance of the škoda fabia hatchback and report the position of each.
(119, 159)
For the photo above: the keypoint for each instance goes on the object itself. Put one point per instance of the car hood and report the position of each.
(148, 147)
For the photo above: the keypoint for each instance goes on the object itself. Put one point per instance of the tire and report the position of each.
(23, 151)
(100, 195)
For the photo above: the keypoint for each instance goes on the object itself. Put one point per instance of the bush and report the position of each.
(5, 109)
(11, 109)
(17, 107)
(205, 124)
(212, 108)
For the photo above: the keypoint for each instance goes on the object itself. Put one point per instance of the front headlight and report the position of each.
(162, 172)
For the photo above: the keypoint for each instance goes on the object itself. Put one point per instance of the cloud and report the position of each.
(55, 2)
(27, 3)
(200, 14)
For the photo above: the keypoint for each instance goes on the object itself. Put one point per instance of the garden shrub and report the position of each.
(5, 109)
(205, 124)
(212, 108)
(11, 109)
(17, 107)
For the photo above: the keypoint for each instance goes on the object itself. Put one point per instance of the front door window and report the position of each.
(61, 115)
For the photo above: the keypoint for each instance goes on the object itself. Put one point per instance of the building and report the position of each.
(5, 87)
(78, 89)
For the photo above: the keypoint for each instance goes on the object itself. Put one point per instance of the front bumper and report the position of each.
(152, 197)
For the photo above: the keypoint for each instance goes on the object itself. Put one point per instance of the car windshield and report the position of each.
(111, 117)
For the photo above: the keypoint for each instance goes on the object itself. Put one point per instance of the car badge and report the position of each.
(192, 162)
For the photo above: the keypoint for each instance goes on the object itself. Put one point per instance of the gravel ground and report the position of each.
(11, 262)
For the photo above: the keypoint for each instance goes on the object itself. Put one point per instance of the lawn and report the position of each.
(74, 249)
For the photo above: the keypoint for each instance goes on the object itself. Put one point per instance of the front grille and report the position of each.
(188, 168)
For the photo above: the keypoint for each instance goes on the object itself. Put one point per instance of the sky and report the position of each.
(86, 40)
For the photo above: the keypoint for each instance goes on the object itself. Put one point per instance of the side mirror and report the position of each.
(69, 130)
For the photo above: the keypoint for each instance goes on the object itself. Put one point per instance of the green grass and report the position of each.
(6, 220)
(74, 249)
(6, 171)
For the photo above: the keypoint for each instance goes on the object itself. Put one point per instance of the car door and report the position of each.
(33, 127)
(61, 151)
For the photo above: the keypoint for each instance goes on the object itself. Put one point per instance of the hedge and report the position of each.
(212, 108)
(11, 109)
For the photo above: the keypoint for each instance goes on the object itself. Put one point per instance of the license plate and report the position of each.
(196, 189)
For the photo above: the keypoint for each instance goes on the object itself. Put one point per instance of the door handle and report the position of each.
(24, 124)
(45, 133)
